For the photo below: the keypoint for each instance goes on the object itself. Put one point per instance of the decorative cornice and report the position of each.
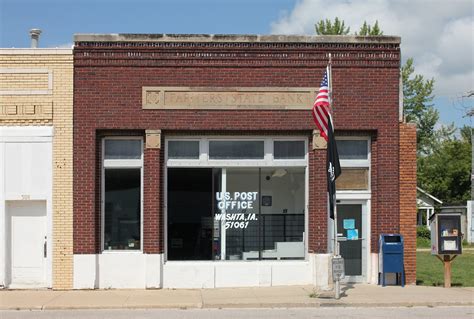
(252, 51)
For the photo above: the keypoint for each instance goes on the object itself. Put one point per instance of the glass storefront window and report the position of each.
(190, 206)
(283, 211)
(240, 205)
(122, 209)
(234, 199)
(122, 178)
(236, 213)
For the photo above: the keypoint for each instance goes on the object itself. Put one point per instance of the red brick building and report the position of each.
(196, 162)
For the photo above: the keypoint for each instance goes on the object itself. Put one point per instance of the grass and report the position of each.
(423, 242)
(466, 245)
(430, 271)
(426, 243)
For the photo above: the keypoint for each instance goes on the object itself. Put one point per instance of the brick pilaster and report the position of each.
(407, 173)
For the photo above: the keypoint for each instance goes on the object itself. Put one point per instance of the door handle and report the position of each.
(45, 249)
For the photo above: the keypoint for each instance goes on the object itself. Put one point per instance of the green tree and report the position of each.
(443, 161)
(327, 27)
(466, 132)
(417, 98)
(367, 30)
(446, 173)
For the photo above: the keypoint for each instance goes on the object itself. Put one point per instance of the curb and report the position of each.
(251, 305)
(396, 305)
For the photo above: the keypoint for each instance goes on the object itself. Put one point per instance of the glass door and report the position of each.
(351, 230)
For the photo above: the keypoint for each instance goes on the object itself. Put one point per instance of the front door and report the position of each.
(27, 243)
(351, 231)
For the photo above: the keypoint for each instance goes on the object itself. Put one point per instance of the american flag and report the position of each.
(322, 108)
(322, 118)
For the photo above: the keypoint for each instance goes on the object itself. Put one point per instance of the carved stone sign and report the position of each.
(228, 98)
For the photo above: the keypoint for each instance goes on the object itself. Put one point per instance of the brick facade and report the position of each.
(109, 76)
(36, 89)
(408, 197)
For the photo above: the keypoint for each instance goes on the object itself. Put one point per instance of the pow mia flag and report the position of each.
(333, 167)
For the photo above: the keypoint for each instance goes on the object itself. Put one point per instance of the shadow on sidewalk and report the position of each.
(345, 287)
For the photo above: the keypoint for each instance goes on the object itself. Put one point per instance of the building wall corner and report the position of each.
(407, 197)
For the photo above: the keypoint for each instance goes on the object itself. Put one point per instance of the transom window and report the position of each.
(183, 149)
(236, 149)
(237, 152)
(353, 149)
(289, 149)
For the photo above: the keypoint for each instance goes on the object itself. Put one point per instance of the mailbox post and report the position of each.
(446, 240)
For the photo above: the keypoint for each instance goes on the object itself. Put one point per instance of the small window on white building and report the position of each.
(122, 193)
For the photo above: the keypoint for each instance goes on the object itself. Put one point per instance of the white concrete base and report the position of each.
(209, 274)
(374, 274)
(141, 271)
(322, 278)
(117, 270)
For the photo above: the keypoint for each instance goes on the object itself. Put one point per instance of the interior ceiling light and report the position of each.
(279, 172)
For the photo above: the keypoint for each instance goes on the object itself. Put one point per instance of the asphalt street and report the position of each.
(261, 313)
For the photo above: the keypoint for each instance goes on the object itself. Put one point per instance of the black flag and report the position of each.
(333, 167)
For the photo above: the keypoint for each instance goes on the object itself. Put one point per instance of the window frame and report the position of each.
(120, 164)
(365, 163)
(268, 159)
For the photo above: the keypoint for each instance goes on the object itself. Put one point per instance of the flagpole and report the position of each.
(336, 248)
(337, 287)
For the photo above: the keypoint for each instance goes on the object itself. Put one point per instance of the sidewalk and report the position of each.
(270, 297)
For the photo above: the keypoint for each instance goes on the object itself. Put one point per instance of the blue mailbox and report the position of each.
(391, 257)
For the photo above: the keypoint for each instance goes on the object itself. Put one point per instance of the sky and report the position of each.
(438, 34)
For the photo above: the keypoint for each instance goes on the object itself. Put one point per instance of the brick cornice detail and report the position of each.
(236, 54)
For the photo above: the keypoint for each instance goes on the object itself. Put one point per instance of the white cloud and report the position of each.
(438, 34)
